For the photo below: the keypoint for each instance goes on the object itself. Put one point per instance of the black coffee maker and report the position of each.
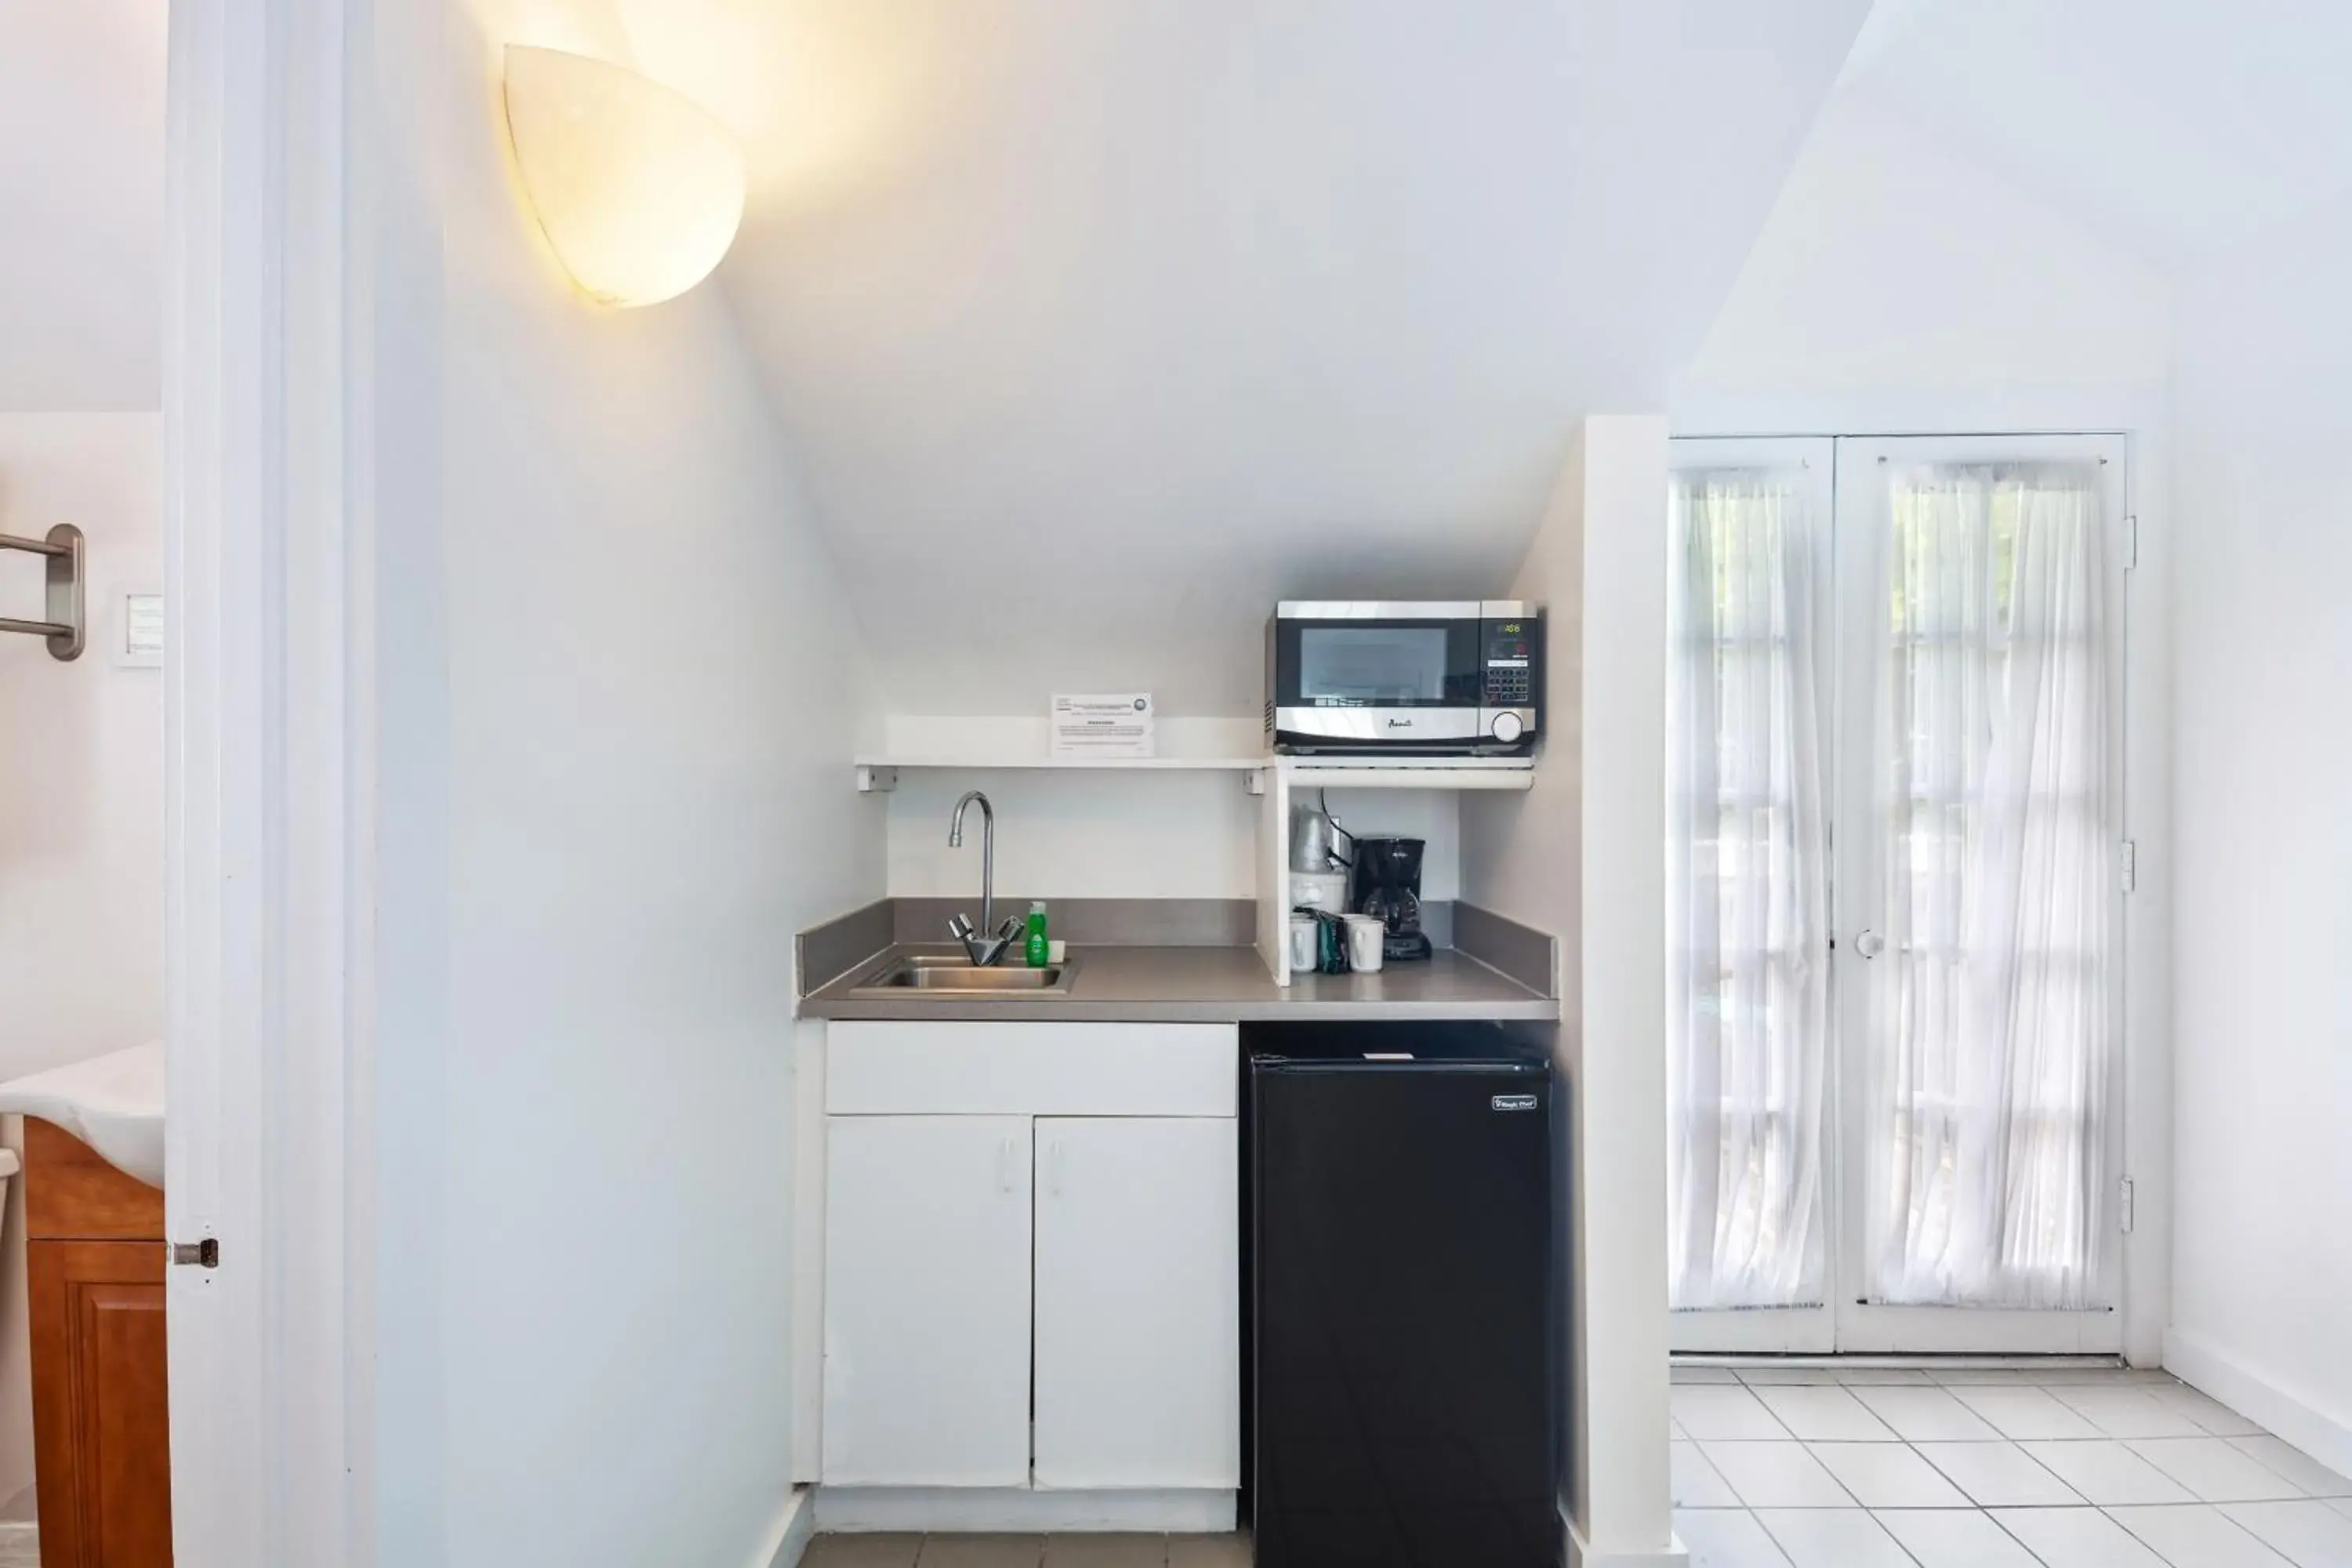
(1386, 881)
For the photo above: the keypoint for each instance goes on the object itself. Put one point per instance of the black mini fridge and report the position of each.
(1405, 1296)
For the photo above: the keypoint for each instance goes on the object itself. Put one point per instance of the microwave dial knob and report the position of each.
(1507, 728)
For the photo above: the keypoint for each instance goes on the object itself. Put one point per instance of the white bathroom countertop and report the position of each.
(114, 1103)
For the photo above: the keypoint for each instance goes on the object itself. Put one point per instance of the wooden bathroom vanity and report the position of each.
(101, 1434)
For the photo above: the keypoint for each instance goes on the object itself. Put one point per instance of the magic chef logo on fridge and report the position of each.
(1514, 1102)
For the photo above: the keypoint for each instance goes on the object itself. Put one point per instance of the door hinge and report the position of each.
(204, 1253)
(2131, 543)
(2125, 1201)
(2129, 861)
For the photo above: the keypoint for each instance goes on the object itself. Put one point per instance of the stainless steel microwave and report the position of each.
(1458, 678)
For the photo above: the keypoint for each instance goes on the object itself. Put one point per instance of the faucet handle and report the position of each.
(960, 926)
(1012, 926)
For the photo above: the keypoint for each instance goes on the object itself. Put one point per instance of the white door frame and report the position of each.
(1809, 1330)
(1862, 1325)
(2139, 1145)
(267, 900)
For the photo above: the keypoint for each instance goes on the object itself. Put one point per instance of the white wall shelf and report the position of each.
(987, 760)
(1451, 773)
(1187, 745)
(879, 772)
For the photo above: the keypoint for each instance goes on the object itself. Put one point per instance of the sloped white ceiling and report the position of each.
(81, 194)
(2183, 128)
(1898, 280)
(1098, 328)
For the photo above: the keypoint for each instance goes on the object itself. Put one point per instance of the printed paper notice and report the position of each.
(1113, 726)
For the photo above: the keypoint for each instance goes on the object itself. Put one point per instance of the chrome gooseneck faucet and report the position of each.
(984, 951)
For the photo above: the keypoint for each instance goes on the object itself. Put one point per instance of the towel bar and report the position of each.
(64, 627)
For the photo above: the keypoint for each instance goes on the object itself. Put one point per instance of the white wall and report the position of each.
(2262, 1272)
(621, 698)
(1138, 834)
(81, 186)
(1900, 284)
(2184, 129)
(81, 807)
(1580, 856)
(1127, 321)
(1130, 835)
(1063, 836)
(1900, 287)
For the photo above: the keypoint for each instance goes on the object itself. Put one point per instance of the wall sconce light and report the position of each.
(639, 190)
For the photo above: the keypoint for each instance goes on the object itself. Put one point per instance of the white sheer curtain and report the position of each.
(1991, 1034)
(1746, 936)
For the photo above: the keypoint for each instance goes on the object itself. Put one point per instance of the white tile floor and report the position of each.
(1803, 1468)
(1028, 1551)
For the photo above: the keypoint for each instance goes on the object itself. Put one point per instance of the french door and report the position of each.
(1895, 923)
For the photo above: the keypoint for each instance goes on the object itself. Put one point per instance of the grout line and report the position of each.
(1995, 1521)
(2105, 1510)
(1786, 1553)
(1955, 1363)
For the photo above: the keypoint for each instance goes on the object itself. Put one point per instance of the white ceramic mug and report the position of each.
(1302, 945)
(1367, 937)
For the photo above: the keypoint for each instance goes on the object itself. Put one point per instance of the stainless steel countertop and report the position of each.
(1204, 986)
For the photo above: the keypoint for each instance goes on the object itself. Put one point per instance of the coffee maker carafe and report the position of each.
(1386, 881)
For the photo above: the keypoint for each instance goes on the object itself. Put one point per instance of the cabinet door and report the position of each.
(1138, 1303)
(102, 1443)
(927, 1300)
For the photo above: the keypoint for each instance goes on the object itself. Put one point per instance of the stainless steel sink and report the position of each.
(955, 974)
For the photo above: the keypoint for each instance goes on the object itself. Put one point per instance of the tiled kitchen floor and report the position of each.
(1790, 1467)
(1028, 1551)
(1795, 1467)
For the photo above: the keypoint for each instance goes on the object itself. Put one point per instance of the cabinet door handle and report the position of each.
(1008, 1165)
(1057, 1166)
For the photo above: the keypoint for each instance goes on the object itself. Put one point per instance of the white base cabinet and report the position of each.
(927, 1319)
(1138, 1303)
(1048, 1300)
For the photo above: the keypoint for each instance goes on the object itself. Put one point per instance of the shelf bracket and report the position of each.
(63, 628)
(1253, 781)
(872, 780)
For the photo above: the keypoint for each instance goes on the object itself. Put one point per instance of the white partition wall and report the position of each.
(2262, 1272)
(1581, 855)
(470, 873)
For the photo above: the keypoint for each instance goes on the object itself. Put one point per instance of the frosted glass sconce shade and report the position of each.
(639, 190)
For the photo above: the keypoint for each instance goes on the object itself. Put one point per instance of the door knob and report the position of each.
(1870, 944)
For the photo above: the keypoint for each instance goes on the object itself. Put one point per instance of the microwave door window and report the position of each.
(1371, 666)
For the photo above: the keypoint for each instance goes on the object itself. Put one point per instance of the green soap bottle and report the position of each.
(1040, 950)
